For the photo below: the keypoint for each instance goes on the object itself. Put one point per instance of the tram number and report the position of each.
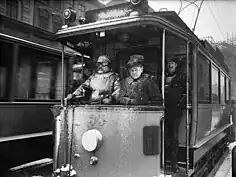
(95, 121)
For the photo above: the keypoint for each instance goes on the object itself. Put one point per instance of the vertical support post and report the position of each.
(163, 97)
(56, 142)
(188, 107)
(62, 75)
(194, 95)
(163, 65)
(234, 161)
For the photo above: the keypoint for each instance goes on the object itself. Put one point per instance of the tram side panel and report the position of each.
(212, 119)
(127, 145)
(25, 133)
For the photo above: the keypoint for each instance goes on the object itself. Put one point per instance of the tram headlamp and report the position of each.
(139, 7)
(69, 15)
(91, 140)
(135, 2)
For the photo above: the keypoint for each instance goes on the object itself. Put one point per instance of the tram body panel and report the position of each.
(222, 118)
(121, 152)
(22, 128)
(203, 121)
(19, 114)
(211, 118)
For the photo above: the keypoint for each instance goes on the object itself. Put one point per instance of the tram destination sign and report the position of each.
(113, 12)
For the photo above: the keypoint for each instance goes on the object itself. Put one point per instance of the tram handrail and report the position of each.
(162, 122)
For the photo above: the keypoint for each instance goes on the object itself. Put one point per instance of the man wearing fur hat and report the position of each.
(139, 88)
(104, 84)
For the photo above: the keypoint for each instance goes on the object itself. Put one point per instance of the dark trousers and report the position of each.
(172, 123)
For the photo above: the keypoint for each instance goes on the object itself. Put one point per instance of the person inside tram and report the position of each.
(175, 102)
(103, 86)
(81, 72)
(139, 88)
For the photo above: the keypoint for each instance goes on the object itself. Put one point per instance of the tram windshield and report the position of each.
(120, 43)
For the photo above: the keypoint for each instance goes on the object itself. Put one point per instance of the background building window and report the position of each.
(56, 4)
(43, 18)
(80, 11)
(203, 80)
(57, 22)
(215, 85)
(12, 8)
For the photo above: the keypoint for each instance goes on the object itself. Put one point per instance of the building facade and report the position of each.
(27, 29)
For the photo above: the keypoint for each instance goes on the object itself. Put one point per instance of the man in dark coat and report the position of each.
(139, 88)
(175, 101)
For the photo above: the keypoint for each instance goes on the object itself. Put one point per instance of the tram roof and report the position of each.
(164, 19)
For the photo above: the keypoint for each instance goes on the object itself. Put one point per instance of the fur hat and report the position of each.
(135, 60)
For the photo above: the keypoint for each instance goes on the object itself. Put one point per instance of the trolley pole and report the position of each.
(234, 161)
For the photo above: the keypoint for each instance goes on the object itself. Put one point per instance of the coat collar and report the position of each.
(130, 80)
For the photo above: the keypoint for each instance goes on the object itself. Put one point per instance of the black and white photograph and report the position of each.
(117, 88)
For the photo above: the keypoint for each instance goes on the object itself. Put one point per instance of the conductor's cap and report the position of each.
(173, 59)
(135, 60)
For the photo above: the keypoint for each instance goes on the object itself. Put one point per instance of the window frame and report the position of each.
(55, 62)
(227, 91)
(222, 100)
(10, 11)
(80, 10)
(218, 81)
(203, 58)
(56, 23)
(42, 19)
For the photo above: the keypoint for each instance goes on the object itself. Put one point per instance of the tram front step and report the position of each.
(33, 165)
(181, 164)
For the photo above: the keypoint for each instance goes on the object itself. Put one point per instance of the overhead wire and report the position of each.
(222, 19)
(193, 16)
(199, 8)
(215, 20)
(190, 3)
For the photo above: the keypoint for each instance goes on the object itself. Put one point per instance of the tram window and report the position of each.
(5, 68)
(203, 80)
(215, 85)
(2, 81)
(23, 79)
(38, 76)
(227, 89)
(222, 89)
(43, 80)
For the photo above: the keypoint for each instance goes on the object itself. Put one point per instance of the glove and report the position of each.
(70, 96)
(133, 101)
(106, 101)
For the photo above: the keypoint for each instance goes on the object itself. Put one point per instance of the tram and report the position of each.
(30, 83)
(128, 140)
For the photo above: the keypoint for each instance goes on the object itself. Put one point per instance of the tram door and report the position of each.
(177, 73)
